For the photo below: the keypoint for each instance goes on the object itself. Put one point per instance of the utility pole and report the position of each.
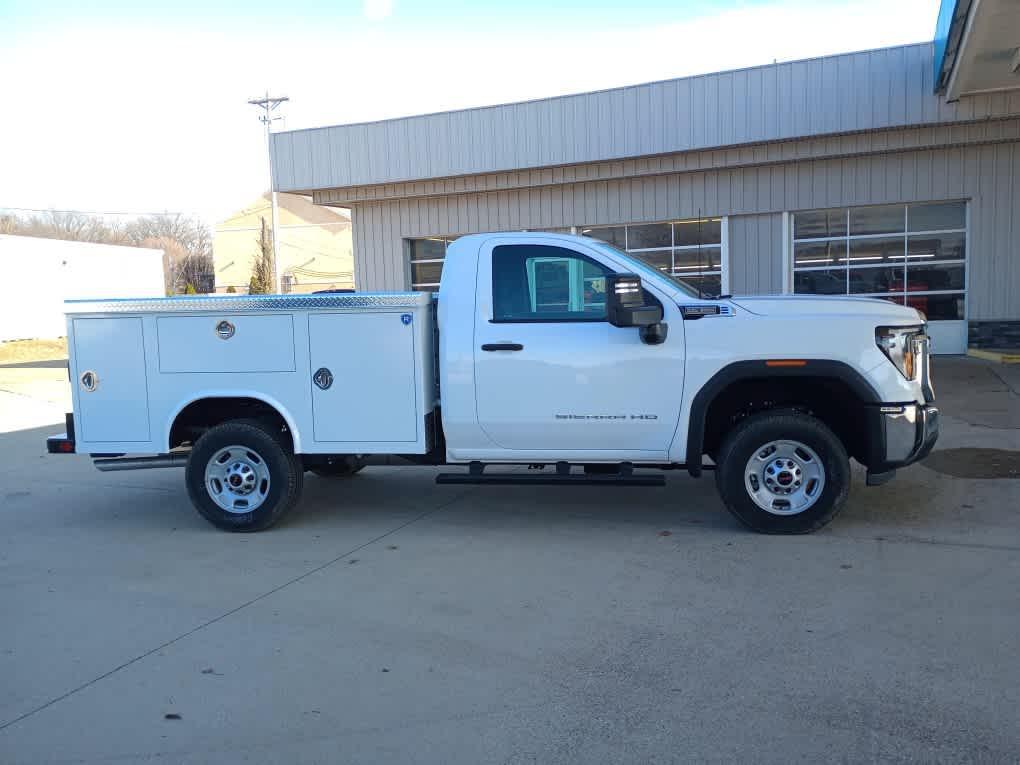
(269, 104)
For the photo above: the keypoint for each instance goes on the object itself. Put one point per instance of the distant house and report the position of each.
(40, 274)
(314, 248)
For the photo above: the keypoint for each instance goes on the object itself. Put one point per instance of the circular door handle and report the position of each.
(322, 378)
(89, 381)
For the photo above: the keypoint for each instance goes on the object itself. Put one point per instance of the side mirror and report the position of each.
(625, 303)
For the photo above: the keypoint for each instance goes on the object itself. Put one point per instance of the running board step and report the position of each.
(553, 479)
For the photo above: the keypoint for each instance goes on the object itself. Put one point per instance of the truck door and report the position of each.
(551, 373)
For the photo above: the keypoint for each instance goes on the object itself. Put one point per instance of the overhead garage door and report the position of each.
(914, 254)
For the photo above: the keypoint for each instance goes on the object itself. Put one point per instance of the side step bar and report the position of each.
(110, 464)
(578, 479)
(625, 477)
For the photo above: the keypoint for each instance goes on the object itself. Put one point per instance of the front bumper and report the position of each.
(901, 434)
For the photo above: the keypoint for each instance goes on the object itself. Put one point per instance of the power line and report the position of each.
(91, 212)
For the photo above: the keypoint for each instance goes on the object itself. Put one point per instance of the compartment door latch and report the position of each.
(322, 378)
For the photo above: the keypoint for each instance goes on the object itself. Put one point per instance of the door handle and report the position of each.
(502, 347)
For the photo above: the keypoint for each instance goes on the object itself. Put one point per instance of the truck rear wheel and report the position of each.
(783, 473)
(241, 476)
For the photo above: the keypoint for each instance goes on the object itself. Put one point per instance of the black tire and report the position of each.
(754, 433)
(337, 467)
(285, 475)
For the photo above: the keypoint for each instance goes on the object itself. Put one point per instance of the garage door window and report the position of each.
(427, 256)
(692, 252)
(914, 255)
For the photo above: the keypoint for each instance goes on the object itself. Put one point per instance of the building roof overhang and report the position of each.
(977, 47)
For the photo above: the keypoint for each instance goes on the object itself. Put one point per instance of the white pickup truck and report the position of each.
(546, 358)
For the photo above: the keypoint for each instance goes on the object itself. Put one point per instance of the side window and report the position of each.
(534, 282)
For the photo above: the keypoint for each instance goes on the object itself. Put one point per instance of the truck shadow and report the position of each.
(67, 490)
(397, 492)
(683, 502)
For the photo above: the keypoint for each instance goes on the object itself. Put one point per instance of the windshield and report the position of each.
(645, 270)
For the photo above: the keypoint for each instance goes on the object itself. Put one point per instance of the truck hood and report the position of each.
(825, 305)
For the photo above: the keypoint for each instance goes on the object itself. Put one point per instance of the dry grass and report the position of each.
(17, 351)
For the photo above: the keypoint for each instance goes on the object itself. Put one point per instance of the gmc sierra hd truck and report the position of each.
(545, 358)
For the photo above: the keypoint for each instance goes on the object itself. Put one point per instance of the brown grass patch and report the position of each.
(18, 351)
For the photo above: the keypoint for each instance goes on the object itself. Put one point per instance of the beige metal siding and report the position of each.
(846, 93)
(756, 254)
(994, 262)
(945, 136)
(986, 175)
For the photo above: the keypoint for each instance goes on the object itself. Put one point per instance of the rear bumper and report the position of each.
(901, 434)
(63, 443)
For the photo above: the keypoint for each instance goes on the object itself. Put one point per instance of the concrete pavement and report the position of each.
(393, 620)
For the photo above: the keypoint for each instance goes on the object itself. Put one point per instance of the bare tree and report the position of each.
(180, 268)
(192, 233)
(73, 226)
(185, 241)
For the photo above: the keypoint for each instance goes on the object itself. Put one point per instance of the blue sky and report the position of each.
(141, 106)
(439, 13)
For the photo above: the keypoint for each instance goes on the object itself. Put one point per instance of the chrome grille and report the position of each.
(922, 350)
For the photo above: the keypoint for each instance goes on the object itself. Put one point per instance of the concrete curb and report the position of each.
(1002, 357)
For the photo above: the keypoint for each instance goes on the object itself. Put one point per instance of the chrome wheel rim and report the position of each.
(784, 477)
(237, 479)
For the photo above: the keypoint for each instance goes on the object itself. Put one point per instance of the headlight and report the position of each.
(898, 344)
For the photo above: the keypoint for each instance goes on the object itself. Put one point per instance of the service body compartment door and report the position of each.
(362, 377)
(112, 394)
(226, 343)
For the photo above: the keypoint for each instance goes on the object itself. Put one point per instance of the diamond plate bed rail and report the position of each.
(216, 303)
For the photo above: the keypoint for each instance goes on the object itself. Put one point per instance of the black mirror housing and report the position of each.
(625, 302)
(654, 334)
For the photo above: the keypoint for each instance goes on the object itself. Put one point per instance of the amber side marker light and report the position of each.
(786, 363)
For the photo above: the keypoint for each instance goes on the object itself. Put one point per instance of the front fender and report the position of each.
(761, 369)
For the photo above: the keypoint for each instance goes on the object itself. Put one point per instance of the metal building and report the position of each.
(40, 274)
(893, 173)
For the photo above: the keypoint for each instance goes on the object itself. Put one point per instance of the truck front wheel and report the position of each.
(242, 477)
(783, 473)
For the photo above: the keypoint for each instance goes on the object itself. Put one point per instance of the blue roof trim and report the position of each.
(948, 31)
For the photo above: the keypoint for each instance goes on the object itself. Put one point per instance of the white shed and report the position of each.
(38, 275)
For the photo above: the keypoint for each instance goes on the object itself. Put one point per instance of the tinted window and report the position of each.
(648, 236)
(877, 220)
(538, 282)
(937, 216)
(815, 224)
(689, 233)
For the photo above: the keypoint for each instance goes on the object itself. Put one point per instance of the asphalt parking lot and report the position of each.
(393, 620)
